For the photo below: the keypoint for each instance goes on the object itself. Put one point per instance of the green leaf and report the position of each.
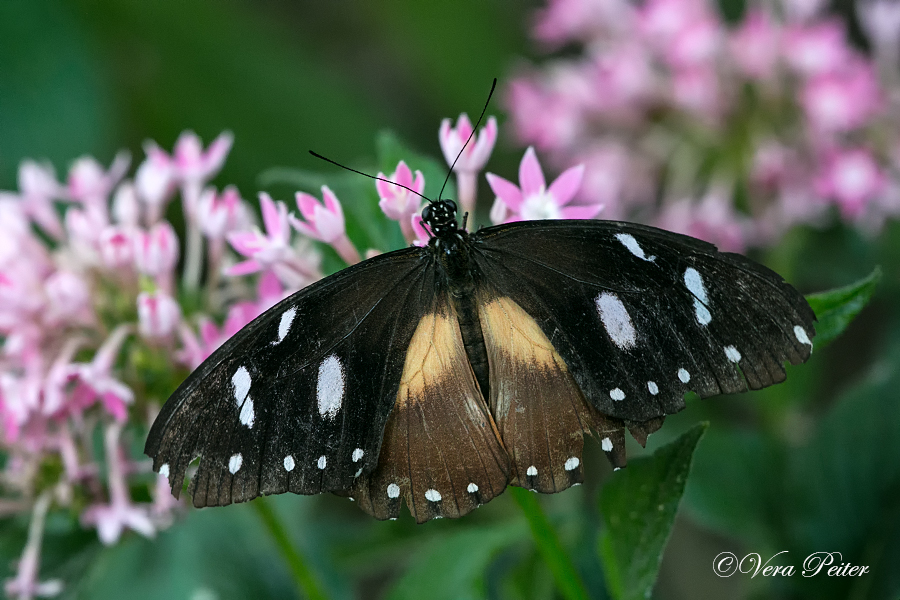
(454, 566)
(638, 506)
(836, 308)
(551, 550)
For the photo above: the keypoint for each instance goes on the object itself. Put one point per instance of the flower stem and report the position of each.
(567, 579)
(303, 576)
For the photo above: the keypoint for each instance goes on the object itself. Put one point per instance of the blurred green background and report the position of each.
(811, 465)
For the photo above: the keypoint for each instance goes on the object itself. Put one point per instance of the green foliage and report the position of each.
(549, 547)
(638, 507)
(454, 565)
(835, 309)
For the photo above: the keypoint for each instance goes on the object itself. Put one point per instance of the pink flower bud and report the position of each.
(126, 209)
(156, 251)
(397, 202)
(193, 164)
(158, 315)
(220, 214)
(479, 149)
(116, 246)
(155, 177)
(324, 220)
(90, 183)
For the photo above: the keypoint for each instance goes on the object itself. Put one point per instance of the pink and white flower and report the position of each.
(158, 315)
(155, 179)
(156, 252)
(96, 380)
(471, 158)
(37, 190)
(851, 178)
(324, 222)
(112, 519)
(398, 203)
(91, 184)
(755, 44)
(221, 213)
(532, 199)
(194, 165)
(476, 154)
(839, 101)
(816, 48)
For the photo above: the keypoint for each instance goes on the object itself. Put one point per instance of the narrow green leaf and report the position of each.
(836, 308)
(454, 566)
(551, 550)
(638, 507)
(303, 576)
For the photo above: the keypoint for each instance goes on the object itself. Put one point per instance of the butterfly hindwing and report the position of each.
(641, 316)
(441, 452)
(540, 411)
(298, 400)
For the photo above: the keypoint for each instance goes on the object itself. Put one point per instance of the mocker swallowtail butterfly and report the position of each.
(438, 375)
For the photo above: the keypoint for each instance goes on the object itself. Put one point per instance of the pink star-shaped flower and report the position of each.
(263, 250)
(533, 200)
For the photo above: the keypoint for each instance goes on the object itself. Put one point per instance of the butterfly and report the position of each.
(438, 375)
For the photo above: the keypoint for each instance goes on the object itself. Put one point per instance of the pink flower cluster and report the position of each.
(87, 285)
(676, 114)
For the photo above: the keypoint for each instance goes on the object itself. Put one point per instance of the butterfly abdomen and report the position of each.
(460, 276)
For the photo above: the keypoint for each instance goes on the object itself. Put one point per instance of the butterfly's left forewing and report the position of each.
(298, 400)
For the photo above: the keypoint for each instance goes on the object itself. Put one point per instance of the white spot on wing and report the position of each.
(284, 325)
(473, 487)
(247, 415)
(531, 471)
(694, 283)
(433, 495)
(164, 470)
(654, 389)
(393, 490)
(289, 463)
(616, 320)
(732, 353)
(322, 462)
(617, 394)
(572, 463)
(606, 444)
(684, 376)
(241, 382)
(330, 387)
(357, 454)
(629, 242)
(234, 463)
(801, 336)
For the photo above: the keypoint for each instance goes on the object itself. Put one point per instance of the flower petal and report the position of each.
(565, 186)
(531, 177)
(506, 191)
(245, 267)
(581, 212)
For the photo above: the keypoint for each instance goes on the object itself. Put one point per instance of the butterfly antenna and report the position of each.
(317, 155)
(474, 129)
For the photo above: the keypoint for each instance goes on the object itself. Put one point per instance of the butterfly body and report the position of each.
(439, 375)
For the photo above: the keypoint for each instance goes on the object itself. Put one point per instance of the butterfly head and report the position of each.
(440, 216)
